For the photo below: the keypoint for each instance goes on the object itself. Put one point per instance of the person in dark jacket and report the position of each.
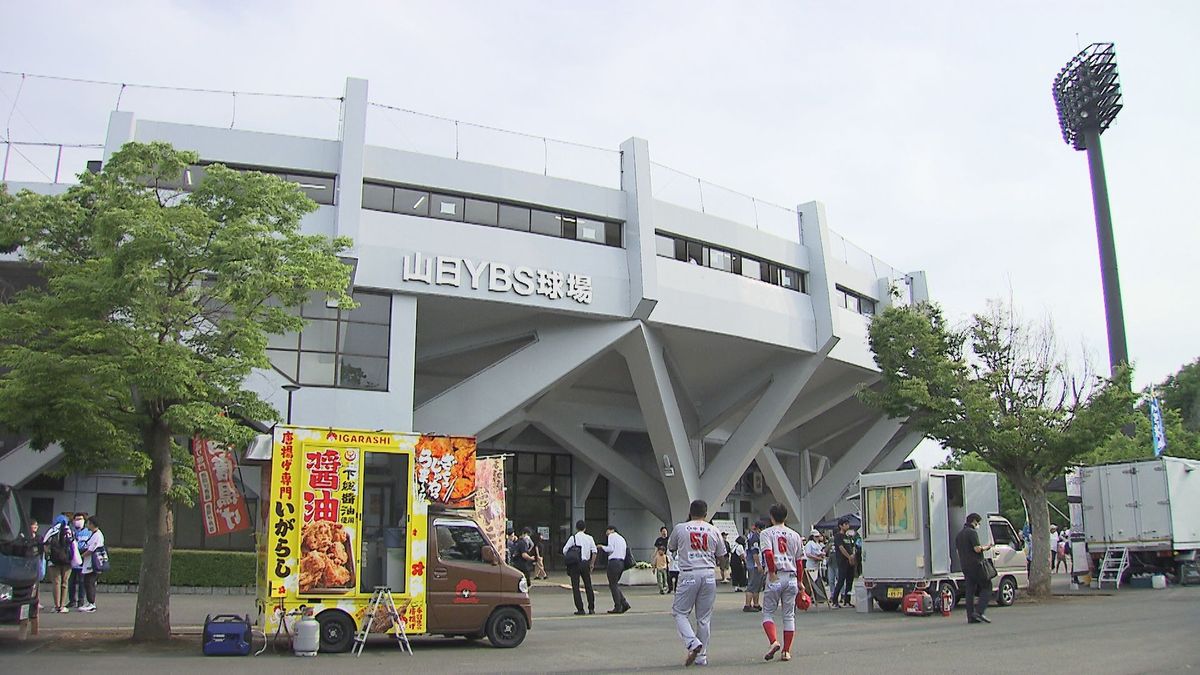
(970, 554)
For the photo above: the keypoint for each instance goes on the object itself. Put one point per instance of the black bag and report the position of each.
(573, 557)
(989, 568)
(100, 562)
(59, 551)
(628, 562)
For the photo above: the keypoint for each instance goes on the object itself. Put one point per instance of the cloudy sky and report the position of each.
(926, 128)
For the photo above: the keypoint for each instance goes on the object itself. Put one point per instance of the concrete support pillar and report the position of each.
(826, 492)
(639, 227)
(583, 479)
(474, 408)
(571, 434)
(352, 133)
(673, 456)
(902, 446)
(814, 232)
(755, 430)
(778, 481)
(402, 362)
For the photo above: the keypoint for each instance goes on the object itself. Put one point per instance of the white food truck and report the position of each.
(1145, 515)
(909, 521)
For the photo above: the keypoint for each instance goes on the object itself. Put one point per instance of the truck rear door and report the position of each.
(939, 525)
(1119, 494)
(1153, 505)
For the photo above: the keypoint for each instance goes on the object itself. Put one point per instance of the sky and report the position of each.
(926, 128)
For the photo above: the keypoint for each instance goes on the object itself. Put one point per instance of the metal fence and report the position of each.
(392, 127)
(46, 162)
(683, 189)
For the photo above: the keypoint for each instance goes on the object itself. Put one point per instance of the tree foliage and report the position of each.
(1178, 395)
(156, 306)
(1000, 390)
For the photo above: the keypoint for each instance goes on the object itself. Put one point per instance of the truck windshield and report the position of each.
(12, 517)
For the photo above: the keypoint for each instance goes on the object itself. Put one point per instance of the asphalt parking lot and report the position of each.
(1130, 631)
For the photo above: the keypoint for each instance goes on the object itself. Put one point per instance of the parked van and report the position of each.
(346, 512)
(909, 521)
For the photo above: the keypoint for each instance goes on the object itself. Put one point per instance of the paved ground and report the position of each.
(1132, 631)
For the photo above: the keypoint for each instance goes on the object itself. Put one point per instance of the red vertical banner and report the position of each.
(222, 505)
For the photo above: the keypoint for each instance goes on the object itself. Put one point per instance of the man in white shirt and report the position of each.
(698, 548)
(580, 564)
(616, 549)
(781, 545)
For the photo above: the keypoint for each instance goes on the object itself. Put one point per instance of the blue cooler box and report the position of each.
(227, 635)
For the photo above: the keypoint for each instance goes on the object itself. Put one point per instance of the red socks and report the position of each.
(787, 639)
(769, 628)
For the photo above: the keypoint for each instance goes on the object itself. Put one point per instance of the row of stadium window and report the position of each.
(698, 253)
(417, 202)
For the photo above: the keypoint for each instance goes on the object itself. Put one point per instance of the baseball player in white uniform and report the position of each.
(698, 549)
(781, 550)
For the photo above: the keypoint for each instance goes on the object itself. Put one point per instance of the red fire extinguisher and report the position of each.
(947, 600)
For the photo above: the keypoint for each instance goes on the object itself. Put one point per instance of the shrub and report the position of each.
(188, 568)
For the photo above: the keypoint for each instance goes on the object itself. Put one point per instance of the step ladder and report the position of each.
(1113, 566)
(382, 599)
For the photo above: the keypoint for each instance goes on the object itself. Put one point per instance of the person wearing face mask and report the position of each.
(75, 591)
(970, 555)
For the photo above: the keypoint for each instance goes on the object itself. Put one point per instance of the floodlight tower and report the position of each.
(1087, 94)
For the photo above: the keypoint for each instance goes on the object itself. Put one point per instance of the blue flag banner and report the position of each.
(1157, 430)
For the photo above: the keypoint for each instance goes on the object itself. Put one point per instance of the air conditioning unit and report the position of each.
(757, 482)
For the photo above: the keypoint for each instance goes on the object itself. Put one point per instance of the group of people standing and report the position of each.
(74, 557)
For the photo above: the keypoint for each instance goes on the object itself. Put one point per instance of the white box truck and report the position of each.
(909, 521)
(1149, 507)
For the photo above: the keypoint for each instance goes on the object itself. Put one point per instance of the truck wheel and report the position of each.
(506, 628)
(1006, 594)
(953, 592)
(888, 605)
(337, 631)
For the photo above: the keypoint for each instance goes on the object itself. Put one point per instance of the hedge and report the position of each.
(188, 568)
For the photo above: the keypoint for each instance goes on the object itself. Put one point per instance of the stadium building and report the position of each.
(629, 354)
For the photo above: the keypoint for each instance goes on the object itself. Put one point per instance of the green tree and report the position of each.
(1181, 392)
(1181, 441)
(156, 307)
(998, 389)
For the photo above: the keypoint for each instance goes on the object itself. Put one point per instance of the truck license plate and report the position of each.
(23, 613)
(895, 593)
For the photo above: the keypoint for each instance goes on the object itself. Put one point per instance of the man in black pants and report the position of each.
(970, 553)
(616, 549)
(844, 551)
(581, 570)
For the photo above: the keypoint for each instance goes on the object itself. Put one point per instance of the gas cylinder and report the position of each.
(947, 600)
(307, 640)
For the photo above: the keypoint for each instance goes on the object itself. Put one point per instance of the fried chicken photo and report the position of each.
(325, 557)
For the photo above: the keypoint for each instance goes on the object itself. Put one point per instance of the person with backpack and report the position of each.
(579, 556)
(95, 563)
(75, 591)
(62, 554)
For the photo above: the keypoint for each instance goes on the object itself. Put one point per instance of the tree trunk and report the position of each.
(1034, 494)
(153, 619)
